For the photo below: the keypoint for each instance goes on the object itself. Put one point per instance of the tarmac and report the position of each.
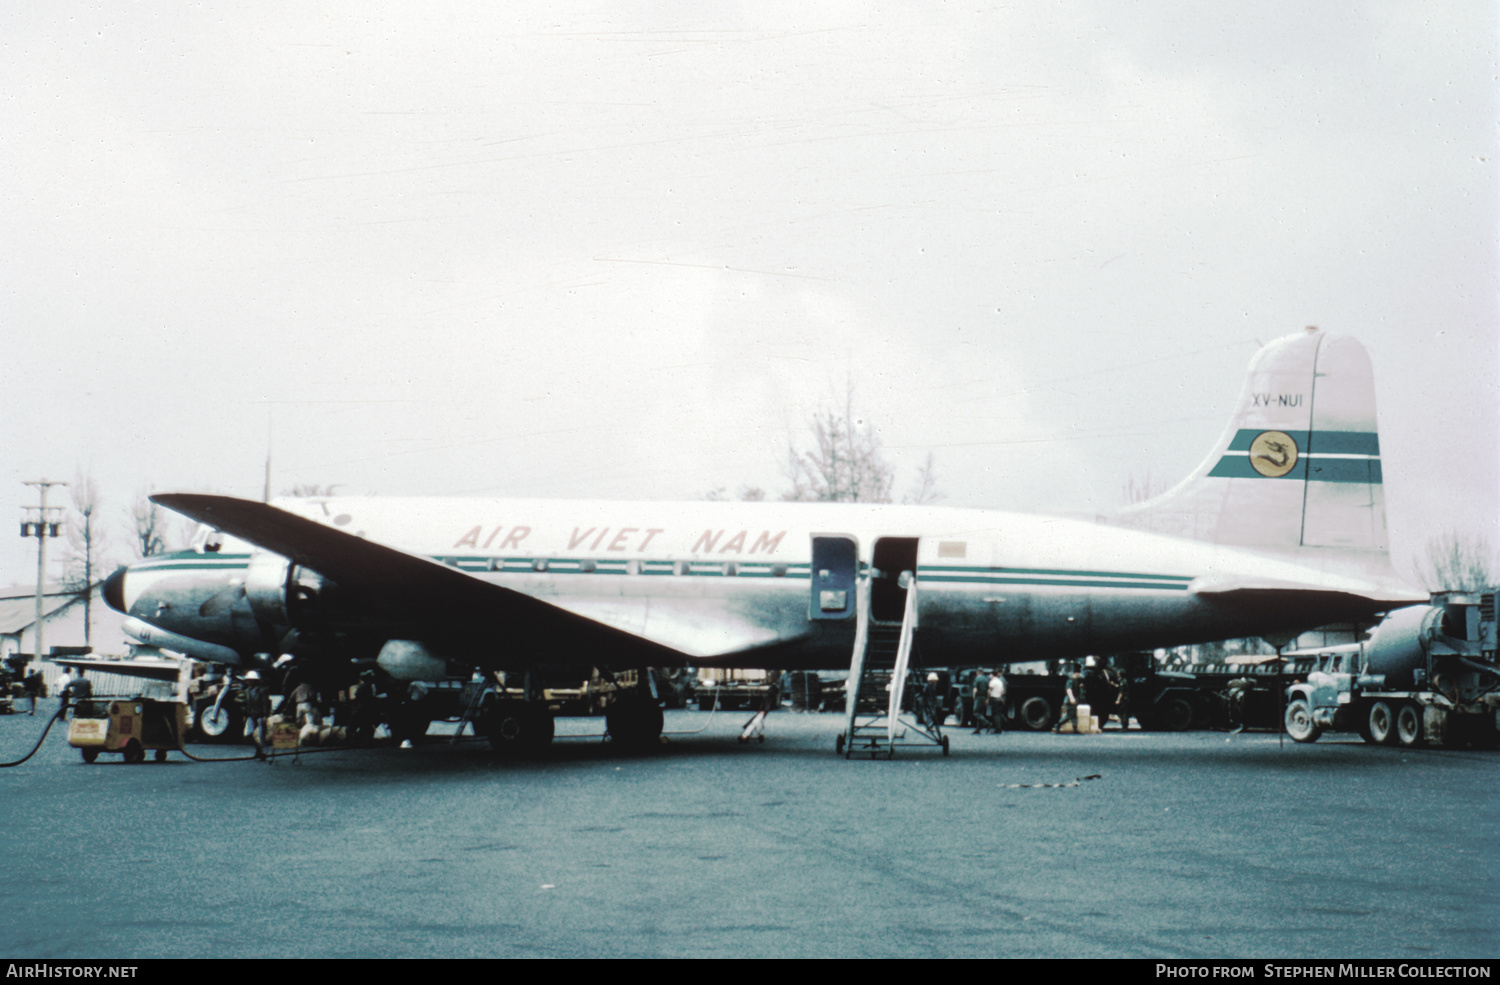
(1181, 846)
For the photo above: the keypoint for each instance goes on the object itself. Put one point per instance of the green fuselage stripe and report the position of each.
(947, 574)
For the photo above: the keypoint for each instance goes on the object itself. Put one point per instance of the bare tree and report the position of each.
(155, 532)
(1140, 486)
(86, 545)
(924, 489)
(843, 466)
(747, 494)
(1455, 562)
(310, 490)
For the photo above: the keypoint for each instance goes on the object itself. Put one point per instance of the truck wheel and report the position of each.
(1175, 713)
(1036, 714)
(134, 753)
(1299, 722)
(1409, 725)
(89, 754)
(160, 756)
(1382, 724)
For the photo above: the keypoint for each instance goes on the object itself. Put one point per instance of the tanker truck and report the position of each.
(1426, 674)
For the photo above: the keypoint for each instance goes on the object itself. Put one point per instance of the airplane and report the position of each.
(1280, 529)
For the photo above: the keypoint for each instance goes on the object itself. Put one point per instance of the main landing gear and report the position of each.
(634, 719)
(516, 729)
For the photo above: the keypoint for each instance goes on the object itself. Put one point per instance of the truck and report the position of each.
(1245, 692)
(1426, 674)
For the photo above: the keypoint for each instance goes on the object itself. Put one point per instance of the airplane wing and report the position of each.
(396, 586)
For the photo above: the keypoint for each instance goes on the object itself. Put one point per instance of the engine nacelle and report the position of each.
(283, 593)
(410, 660)
(144, 632)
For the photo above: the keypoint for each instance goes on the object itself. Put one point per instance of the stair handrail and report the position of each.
(857, 658)
(903, 656)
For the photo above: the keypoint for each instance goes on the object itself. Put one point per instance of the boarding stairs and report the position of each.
(874, 724)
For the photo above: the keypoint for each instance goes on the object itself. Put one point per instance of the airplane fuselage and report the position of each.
(738, 583)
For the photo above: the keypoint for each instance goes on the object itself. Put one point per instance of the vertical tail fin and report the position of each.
(1298, 469)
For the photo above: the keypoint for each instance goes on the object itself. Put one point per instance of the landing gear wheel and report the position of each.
(1036, 714)
(134, 753)
(1299, 722)
(89, 755)
(838, 746)
(634, 721)
(1382, 724)
(214, 726)
(945, 745)
(160, 756)
(516, 728)
(1409, 725)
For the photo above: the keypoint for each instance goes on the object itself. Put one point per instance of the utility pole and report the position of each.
(42, 527)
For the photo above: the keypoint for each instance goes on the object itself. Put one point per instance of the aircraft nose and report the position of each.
(114, 591)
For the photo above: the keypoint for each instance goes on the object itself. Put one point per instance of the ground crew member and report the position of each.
(80, 690)
(304, 698)
(63, 683)
(257, 708)
(932, 708)
(34, 685)
(1122, 698)
(1098, 694)
(1070, 701)
(981, 700)
(362, 698)
(997, 702)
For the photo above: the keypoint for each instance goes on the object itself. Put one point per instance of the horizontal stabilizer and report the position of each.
(1247, 587)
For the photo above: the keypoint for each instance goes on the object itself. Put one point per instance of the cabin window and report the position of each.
(587, 566)
(778, 571)
(540, 564)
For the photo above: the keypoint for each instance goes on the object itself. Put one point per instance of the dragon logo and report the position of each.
(1273, 454)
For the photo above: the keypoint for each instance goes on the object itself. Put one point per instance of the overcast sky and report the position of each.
(625, 250)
